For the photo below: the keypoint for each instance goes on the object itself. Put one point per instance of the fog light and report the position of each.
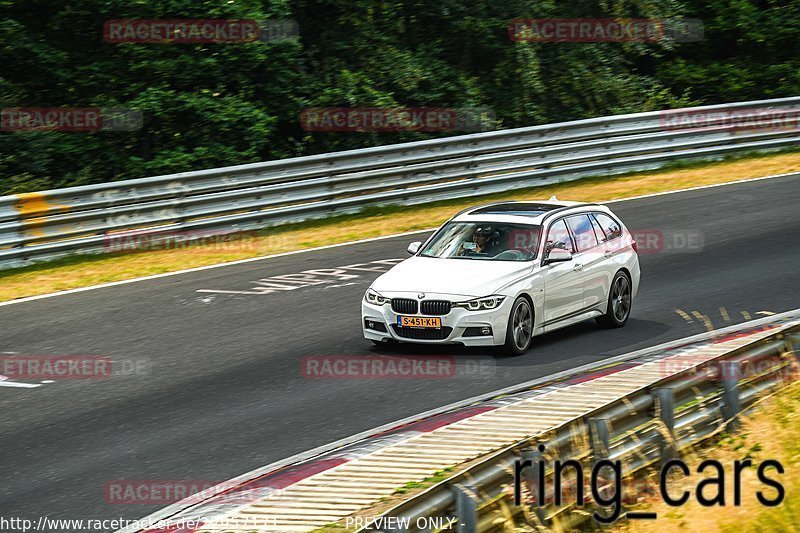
(375, 326)
(477, 331)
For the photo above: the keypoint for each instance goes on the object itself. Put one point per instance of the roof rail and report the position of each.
(565, 208)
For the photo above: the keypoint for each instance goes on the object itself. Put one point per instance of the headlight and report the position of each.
(375, 298)
(490, 302)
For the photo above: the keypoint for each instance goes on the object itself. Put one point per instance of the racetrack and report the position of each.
(221, 391)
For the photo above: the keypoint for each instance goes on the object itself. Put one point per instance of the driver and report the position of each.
(485, 238)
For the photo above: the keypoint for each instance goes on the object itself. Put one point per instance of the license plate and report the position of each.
(419, 322)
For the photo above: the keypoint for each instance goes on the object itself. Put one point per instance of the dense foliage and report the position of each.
(208, 105)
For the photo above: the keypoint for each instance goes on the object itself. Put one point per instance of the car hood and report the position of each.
(461, 277)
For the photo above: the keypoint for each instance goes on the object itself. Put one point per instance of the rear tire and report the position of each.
(519, 331)
(618, 309)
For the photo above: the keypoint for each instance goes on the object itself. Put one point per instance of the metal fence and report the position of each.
(82, 219)
(640, 430)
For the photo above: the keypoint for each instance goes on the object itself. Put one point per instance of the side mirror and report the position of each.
(413, 248)
(558, 255)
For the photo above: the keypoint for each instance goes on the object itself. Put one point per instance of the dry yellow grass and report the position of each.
(90, 270)
(771, 432)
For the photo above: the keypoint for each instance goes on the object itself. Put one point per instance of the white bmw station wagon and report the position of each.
(499, 274)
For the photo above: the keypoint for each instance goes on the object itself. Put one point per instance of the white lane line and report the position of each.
(701, 187)
(5, 383)
(371, 239)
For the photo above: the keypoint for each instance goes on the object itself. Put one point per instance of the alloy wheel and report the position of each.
(522, 325)
(621, 298)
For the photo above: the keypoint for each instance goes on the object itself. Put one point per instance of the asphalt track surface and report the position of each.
(221, 391)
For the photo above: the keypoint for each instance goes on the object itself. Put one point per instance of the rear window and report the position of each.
(611, 228)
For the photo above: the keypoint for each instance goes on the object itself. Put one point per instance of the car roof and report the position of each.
(527, 212)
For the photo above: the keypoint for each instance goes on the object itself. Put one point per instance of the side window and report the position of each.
(610, 226)
(558, 237)
(601, 236)
(581, 227)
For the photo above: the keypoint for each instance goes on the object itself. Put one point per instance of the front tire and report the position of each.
(618, 309)
(519, 332)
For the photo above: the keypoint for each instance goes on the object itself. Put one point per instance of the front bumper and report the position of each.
(454, 324)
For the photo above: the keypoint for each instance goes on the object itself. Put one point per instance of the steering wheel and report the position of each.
(510, 254)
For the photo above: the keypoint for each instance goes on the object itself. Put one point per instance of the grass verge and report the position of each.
(85, 270)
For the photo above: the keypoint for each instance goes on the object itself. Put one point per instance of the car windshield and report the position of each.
(484, 241)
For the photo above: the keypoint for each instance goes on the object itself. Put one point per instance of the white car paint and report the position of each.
(561, 294)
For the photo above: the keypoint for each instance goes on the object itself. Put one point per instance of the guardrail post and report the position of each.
(600, 435)
(665, 411)
(531, 476)
(730, 392)
(793, 345)
(466, 508)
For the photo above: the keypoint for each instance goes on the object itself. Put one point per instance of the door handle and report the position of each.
(608, 253)
(577, 267)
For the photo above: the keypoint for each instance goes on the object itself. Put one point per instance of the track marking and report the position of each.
(685, 316)
(746, 315)
(765, 313)
(4, 382)
(701, 187)
(704, 319)
(325, 277)
(724, 313)
(371, 239)
(14, 384)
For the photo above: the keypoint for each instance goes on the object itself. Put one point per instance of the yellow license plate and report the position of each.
(419, 322)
